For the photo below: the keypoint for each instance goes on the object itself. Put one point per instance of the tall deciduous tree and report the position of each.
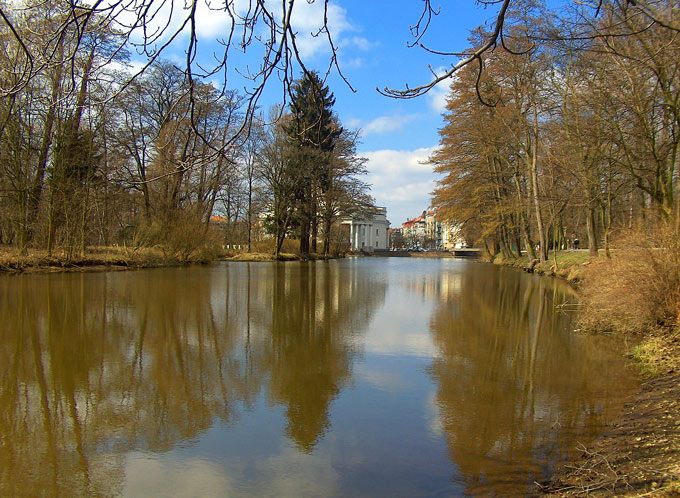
(343, 192)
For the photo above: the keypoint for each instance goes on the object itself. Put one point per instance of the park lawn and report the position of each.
(565, 264)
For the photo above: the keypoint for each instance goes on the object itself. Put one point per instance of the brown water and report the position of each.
(363, 377)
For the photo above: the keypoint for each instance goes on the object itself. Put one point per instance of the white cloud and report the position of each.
(132, 67)
(382, 124)
(352, 123)
(359, 42)
(146, 475)
(437, 96)
(213, 22)
(401, 181)
(354, 63)
(308, 19)
(165, 19)
(397, 163)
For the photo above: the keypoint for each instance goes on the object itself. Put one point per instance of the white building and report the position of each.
(368, 232)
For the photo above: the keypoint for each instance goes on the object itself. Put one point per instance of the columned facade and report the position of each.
(369, 233)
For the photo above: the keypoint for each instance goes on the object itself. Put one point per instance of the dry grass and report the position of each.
(14, 260)
(657, 354)
(638, 289)
(290, 250)
(267, 246)
(259, 256)
(189, 247)
(180, 236)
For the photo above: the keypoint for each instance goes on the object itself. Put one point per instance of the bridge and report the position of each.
(469, 252)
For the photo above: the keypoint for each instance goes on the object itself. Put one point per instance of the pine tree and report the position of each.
(312, 134)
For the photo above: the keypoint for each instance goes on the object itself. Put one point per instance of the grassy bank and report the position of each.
(13, 260)
(565, 264)
(263, 257)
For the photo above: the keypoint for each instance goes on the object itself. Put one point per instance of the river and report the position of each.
(355, 377)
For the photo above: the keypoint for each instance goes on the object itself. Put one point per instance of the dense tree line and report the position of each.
(90, 155)
(573, 137)
(557, 128)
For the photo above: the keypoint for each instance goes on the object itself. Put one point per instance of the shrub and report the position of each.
(181, 236)
(268, 245)
(638, 289)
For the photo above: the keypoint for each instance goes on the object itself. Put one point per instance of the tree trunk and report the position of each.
(523, 218)
(45, 143)
(534, 182)
(281, 228)
(314, 226)
(250, 208)
(327, 236)
(50, 224)
(592, 236)
(304, 237)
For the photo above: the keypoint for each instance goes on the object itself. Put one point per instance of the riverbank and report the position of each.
(12, 260)
(254, 257)
(639, 455)
(565, 264)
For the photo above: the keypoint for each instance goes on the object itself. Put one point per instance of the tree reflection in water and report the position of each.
(96, 365)
(514, 382)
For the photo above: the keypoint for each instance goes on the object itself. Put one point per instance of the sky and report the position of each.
(397, 136)
(372, 37)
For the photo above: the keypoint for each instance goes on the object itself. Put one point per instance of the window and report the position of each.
(376, 232)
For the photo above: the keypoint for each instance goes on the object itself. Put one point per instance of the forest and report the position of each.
(565, 135)
(94, 153)
(562, 130)
(573, 137)
(560, 126)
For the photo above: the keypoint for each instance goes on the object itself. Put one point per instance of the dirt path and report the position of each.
(639, 456)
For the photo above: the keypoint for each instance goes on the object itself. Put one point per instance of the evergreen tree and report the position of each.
(312, 134)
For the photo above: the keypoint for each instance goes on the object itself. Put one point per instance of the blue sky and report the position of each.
(397, 135)
(372, 37)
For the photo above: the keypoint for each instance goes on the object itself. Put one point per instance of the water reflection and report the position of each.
(515, 387)
(349, 378)
(95, 366)
(311, 350)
